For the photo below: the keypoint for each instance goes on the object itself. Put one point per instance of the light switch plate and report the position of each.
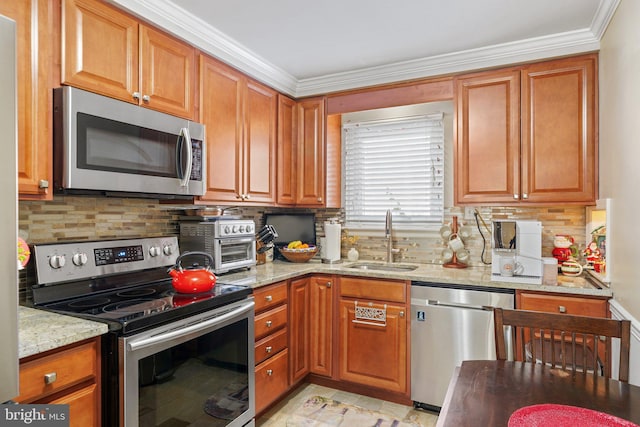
(468, 213)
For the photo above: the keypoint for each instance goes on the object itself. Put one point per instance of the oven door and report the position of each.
(233, 253)
(195, 371)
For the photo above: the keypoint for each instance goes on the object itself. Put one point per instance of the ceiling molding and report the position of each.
(166, 14)
(475, 59)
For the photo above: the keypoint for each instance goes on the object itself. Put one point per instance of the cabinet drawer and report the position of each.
(270, 296)
(271, 379)
(69, 367)
(368, 288)
(271, 345)
(563, 304)
(269, 321)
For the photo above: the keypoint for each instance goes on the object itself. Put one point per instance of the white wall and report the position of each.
(620, 149)
(620, 160)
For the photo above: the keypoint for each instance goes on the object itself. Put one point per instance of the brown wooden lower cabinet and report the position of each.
(372, 352)
(563, 304)
(321, 325)
(272, 380)
(69, 375)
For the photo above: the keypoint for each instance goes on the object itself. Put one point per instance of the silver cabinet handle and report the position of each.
(328, 284)
(146, 98)
(401, 314)
(319, 199)
(43, 183)
(136, 95)
(268, 349)
(268, 298)
(516, 196)
(562, 309)
(50, 378)
(268, 323)
(525, 195)
(269, 372)
(246, 196)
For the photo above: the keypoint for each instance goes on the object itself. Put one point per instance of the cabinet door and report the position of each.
(33, 27)
(167, 73)
(311, 152)
(374, 355)
(221, 92)
(299, 301)
(84, 406)
(100, 49)
(259, 168)
(321, 332)
(487, 151)
(286, 157)
(559, 114)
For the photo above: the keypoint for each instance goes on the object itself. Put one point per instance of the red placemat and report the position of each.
(552, 415)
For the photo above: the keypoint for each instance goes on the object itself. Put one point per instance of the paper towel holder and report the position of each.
(324, 259)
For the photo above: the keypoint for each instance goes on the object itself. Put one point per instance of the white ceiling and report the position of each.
(310, 47)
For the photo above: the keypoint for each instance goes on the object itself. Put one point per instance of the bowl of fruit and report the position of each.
(298, 251)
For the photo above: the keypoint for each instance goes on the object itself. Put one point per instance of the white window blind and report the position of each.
(395, 164)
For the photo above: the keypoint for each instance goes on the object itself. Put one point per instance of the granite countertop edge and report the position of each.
(41, 330)
(276, 271)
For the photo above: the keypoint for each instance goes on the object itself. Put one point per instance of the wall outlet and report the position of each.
(469, 213)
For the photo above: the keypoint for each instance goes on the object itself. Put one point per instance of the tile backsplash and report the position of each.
(73, 218)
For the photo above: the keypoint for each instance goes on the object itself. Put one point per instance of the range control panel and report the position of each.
(61, 262)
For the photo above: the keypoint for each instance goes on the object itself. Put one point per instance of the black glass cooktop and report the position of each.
(142, 306)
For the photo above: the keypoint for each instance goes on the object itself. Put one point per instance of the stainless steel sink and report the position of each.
(382, 267)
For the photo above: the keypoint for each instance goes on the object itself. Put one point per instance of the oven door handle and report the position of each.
(180, 331)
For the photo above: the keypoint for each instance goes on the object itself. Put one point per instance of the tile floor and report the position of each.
(277, 416)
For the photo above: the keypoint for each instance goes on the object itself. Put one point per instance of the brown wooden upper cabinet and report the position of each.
(528, 134)
(35, 163)
(109, 52)
(240, 116)
(311, 152)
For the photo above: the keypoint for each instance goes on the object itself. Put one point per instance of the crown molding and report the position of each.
(167, 15)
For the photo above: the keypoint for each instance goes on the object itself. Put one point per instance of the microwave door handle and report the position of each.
(186, 137)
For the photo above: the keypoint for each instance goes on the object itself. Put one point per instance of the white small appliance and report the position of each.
(520, 241)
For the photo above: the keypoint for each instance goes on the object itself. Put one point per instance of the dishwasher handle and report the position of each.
(457, 305)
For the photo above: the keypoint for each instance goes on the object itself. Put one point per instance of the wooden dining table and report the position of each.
(488, 392)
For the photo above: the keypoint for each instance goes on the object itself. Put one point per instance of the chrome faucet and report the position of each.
(388, 228)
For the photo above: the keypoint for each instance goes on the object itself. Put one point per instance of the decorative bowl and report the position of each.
(299, 255)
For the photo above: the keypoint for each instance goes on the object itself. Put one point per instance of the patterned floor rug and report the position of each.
(320, 412)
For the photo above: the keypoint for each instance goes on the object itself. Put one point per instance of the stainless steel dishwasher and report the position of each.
(449, 324)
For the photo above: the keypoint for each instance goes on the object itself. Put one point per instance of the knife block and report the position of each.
(261, 258)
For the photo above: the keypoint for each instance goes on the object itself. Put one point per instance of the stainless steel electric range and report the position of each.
(168, 357)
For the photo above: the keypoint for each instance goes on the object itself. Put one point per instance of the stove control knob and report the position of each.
(234, 229)
(241, 229)
(57, 261)
(227, 229)
(249, 228)
(154, 251)
(79, 259)
(167, 249)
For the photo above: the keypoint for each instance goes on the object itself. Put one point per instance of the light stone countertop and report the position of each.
(473, 276)
(42, 330)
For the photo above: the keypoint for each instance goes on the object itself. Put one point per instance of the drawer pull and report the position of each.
(268, 349)
(328, 284)
(269, 372)
(268, 298)
(50, 378)
(562, 309)
(401, 314)
(268, 323)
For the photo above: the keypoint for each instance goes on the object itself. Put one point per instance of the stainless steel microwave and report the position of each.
(111, 147)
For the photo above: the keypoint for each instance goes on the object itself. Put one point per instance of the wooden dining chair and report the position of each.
(574, 343)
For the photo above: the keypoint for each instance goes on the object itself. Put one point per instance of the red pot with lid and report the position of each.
(195, 278)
